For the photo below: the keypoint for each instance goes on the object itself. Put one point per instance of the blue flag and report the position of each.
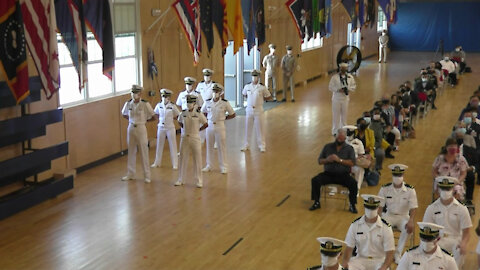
(389, 7)
(259, 17)
(295, 8)
(328, 17)
(351, 10)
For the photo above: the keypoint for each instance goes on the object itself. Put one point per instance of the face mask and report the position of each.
(446, 59)
(329, 261)
(474, 104)
(189, 87)
(424, 79)
(217, 95)
(452, 150)
(459, 141)
(367, 119)
(339, 143)
(474, 115)
(383, 34)
(457, 49)
(207, 78)
(370, 213)
(376, 117)
(463, 130)
(255, 79)
(446, 194)
(363, 126)
(289, 52)
(165, 100)
(135, 95)
(190, 106)
(397, 180)
(427, 246)
(467, 120)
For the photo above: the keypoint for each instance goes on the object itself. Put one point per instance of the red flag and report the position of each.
(13, 55)
(40, 26)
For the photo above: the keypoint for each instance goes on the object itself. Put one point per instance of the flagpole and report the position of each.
(157, 20)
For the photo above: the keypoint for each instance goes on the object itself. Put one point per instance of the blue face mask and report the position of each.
(462, 130)
(367, 119)
(467, 120)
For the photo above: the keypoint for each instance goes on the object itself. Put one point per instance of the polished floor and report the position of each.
(262, 204)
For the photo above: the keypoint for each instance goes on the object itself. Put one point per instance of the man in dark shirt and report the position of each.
(338, 159)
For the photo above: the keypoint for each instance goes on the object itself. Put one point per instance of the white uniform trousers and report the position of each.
(170, 134)
(361, 263)
(288, 80)
(382, 54)
(450, 244)
(359, 173)
(190, 145)
(399, 222)
(137, 141)
(216, 133)
(339, 114)
(254, 117)
(203, 135)
(273, 78)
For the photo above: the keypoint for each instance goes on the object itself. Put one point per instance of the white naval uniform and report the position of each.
(382, 48)
(372, 243)
(417, 259)
(454, 218)
(166, 128)
(190, 143)
(340, 100)
(205, 90)
(288, 66)
(358, 171)
(137, 138)
(270, 64)
(182, 99)
(399, 201)
(216, 129)
(256, 93)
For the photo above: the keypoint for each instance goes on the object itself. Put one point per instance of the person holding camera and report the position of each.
(341, 84)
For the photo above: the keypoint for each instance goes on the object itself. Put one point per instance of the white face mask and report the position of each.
(424, 79)
(383, 34)
(217, 95)
(289, 52)
(371, 213)
(427, 246)
(329, 261)
(376, 117)
(165, 100)
(207, 78)
(474, 115)
(397, 180)
(446, 194)
(367, 119)
(190, 106)
(189, 87)
(135, 95)
(255, 79)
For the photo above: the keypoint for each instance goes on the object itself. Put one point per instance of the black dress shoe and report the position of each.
(352, 209)
(284, 100)
(315, 206)
(388, 155)
(434, 107)
(293, 100)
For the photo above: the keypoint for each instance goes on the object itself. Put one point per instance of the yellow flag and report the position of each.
(234, 21)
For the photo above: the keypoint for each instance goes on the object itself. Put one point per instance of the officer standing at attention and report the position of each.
(137, 111)
(182, 97)
(256, 93)
(453, 216)
(191, 122)
(382, 47)
(216, 109)
(330, 251)
(270, 64)
(166, 112)
(428, 255)
(288, 66)
(341, 84)
(205, 89)
(372, 236)
(401, 203)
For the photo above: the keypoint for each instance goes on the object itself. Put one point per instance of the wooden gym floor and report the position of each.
(104, 223)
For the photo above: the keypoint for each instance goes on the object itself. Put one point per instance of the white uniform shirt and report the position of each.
(383, 40)
(166, 113)
(216, 110)
(192, 122)
(270, 64)
(357, 147)
(372, 241)
(255, 95)
(454, 217)
(138, 113)
(205, 89)
(399, 201)
(182, 99)
(336, 85)
(288, 64)
(416, 259)
(448, 65)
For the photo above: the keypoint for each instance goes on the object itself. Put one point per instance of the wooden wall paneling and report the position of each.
(122, 122)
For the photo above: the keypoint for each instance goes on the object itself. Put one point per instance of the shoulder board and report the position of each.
(357, 219)
(386, 223)
(144, 100)
(209, 99)
(224, 99)
(448, 253)
(184, 110)
(214, 82)
(197, 92)
(409, 186)
(130, 100)
(387, 184)
(202, 81)
(410, 249)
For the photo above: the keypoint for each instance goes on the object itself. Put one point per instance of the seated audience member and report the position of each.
(393, 135)
(450, 67)
(362, 161)
(473, 103)
(425, 88)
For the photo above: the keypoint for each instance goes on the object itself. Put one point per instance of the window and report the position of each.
(382, 20)
(313, 43)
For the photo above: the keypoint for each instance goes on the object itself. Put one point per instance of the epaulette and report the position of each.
(409, 186)
(214, 82)
(224, 99)
(144, 100)
(196, 92)
(387, 184)
(448, 253)
(260, 83)
(203, 81)
(410, 249)
(209, 99)
(386, 223)
(357, 219)
(130, 100)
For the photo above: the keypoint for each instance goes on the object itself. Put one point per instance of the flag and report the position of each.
(351, 10)
(307, 18)
(259, 10)
(71, 23)
(219, 18)
(234, 21)
(321, 17)
(41, 37)
(315, 16)
(295, 8)
(99, 20)
(328, 17)
(361, 12)
(206, 22)
(249, 24)
(389, 7)
(13, 51)
(370, 12)
(188, 15)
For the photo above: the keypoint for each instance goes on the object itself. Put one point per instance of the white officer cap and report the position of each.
(136, 88)
(255, 72)
(446, 182)
(216, 87)
(372, 201)
(397, 169)
(343, 65)
(165, 92)
(191, 98)
(207, 72)
(350, 127)
(272, 46)
(189, 80)
(429, 231)
(289, 47)
(330, 246)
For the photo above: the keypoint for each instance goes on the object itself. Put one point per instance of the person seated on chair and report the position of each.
(428, 255)
(401, 205)
(393, 135)
(425, 87)
(473, 102)
(450, 67)
(330, 252)
(359, 169)
(373, 238)
(338, 159)
(382, 147)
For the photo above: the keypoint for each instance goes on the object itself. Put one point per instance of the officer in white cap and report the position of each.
(288, 67)
(359, 148)
(341, 85)
(137, 111)
(383, 47)
(453, 216)
(270, 64)
(205, 87)
(428, 255)
(217, 110)
(167, 113)
(401, 203)
(372, 236)
(182, 96)
(256, 93)
(330, 251)
(191, 122)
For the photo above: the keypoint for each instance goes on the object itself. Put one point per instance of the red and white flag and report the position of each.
(40, 34)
